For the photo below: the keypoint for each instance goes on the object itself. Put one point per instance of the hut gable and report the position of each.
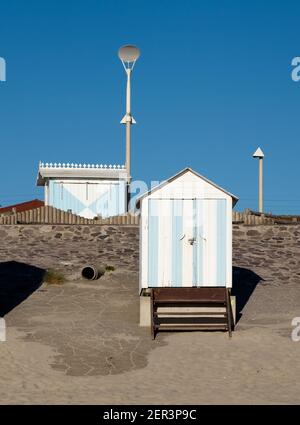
(188, 183)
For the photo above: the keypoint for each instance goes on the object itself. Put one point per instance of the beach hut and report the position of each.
(185, 242)
(88, 190)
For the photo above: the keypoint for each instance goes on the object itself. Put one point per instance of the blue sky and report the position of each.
(213, 83)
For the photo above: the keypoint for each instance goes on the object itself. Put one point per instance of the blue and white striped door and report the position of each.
(187, 242)
(210, 242)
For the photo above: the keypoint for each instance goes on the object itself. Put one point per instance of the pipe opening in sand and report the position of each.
(92, 272)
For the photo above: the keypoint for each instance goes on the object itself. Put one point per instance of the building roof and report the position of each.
(185, 170)
(58, 170)
(23, 206)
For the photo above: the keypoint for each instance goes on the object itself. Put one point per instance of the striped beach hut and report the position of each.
(186, 233)
(186, 239)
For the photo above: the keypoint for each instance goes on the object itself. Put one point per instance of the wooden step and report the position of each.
(193, 327)
(188, 319)
(190, 315)
(190, 309)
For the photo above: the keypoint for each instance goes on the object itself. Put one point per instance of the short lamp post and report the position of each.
(260, 155)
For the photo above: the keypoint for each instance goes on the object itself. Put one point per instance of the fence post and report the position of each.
(38, 212)
(54, 214)
(66, 217)
(43, 215)
(51, 211)
(46, 218)
(61, 216)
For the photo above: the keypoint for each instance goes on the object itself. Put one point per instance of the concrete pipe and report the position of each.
(92, 272)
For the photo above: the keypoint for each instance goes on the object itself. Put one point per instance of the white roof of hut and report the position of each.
(185, 170)
(71, 170)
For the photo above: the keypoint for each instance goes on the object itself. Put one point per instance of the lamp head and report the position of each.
(128, 55)
(258, 153)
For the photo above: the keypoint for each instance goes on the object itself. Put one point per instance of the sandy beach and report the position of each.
(76, 343)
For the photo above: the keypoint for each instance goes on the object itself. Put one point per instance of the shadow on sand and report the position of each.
(17, 282)
(244, 282)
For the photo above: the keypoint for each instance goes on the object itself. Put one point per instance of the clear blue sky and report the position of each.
(213, 83)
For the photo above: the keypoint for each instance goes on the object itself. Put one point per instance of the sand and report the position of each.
(258, 365)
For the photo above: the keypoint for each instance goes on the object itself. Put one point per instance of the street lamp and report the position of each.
(128, 55)
(260, 155)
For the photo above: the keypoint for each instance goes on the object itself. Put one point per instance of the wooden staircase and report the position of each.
(206, 308)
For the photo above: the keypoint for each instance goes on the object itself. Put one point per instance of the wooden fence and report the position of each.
(254, 218)
(250, 219)
(51, 215)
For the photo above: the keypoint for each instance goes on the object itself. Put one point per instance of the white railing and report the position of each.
(72, 165)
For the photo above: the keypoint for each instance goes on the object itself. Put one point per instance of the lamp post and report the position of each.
(128, 55)
(260, 155)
